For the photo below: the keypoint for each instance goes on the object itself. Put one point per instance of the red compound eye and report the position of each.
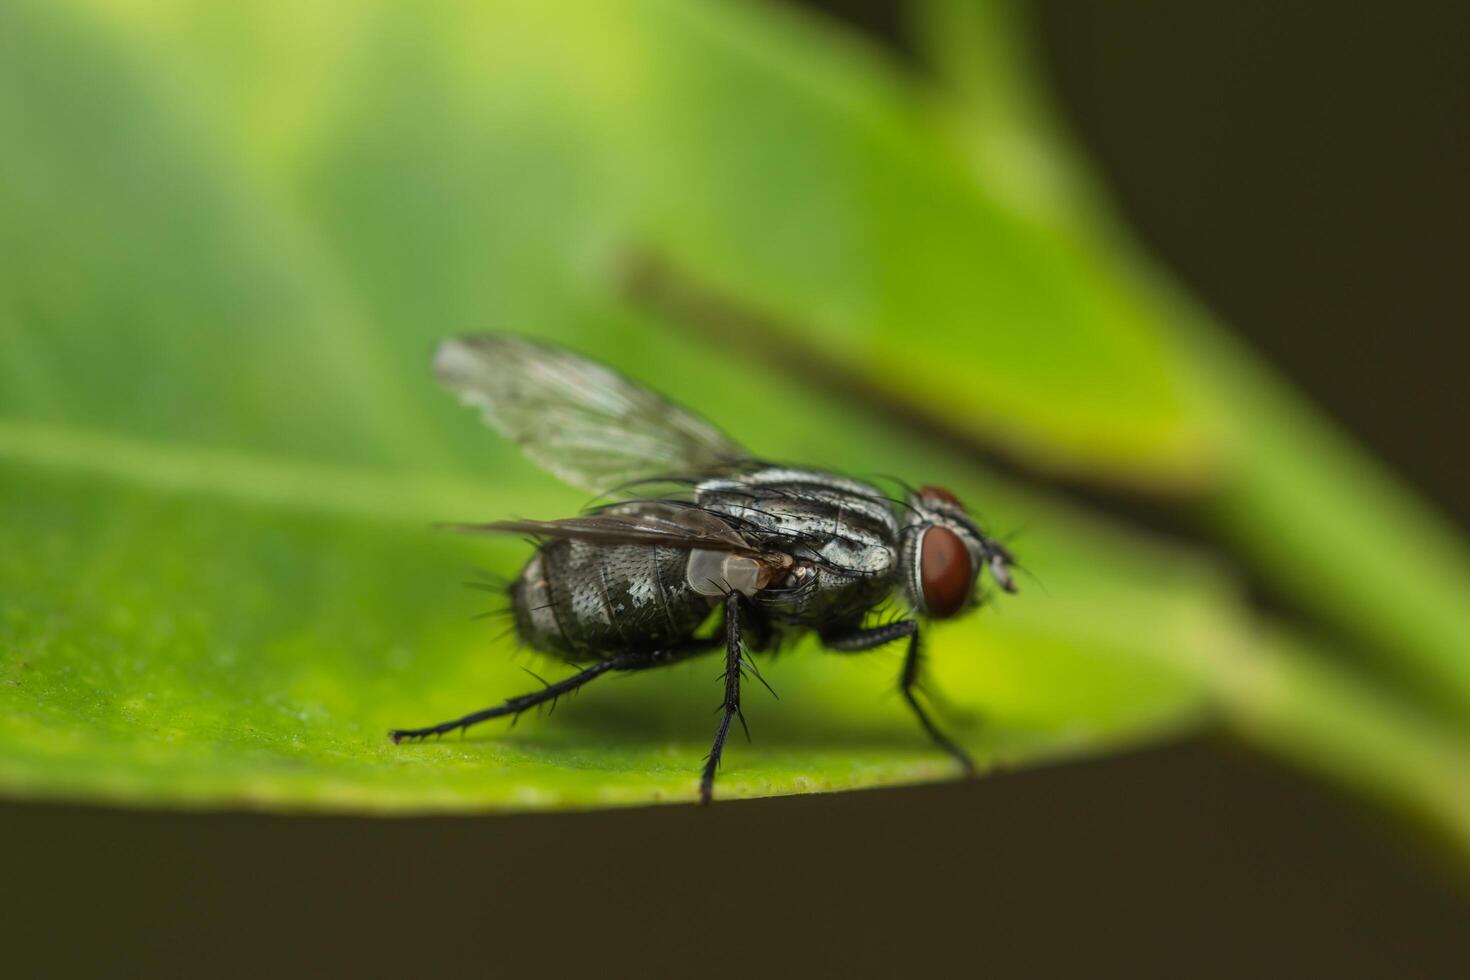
(940, 495)
(945, 572)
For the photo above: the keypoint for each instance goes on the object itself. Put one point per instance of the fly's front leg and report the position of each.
(860, 640)
(731, 707)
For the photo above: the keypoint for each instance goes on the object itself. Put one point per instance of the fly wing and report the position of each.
(721, 559)
(577, 419)
(653, 523)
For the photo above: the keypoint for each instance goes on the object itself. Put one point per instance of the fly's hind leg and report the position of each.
(869, 639)
(514, 707)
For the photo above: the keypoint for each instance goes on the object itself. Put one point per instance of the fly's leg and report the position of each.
(731, 707)
(860, 640)
(517, 705)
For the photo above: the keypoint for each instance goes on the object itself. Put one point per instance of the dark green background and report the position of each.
(1302, 168)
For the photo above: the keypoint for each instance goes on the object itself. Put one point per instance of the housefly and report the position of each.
(701, 530)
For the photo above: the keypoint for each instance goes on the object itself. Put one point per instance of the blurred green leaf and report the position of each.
(363, 179)
(1315, 515)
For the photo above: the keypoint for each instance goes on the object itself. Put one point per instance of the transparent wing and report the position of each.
(577, 419)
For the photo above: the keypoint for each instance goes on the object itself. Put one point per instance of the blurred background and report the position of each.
(1300, 170)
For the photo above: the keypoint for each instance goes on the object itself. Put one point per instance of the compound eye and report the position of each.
(940, 495)
(945, 572)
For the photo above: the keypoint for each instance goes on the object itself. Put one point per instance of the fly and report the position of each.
(703, 527)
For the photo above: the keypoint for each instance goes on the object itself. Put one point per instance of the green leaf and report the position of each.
(226, 260)
(229, 236)
(189, 626)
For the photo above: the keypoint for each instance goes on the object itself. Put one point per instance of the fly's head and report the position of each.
(943, 554)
